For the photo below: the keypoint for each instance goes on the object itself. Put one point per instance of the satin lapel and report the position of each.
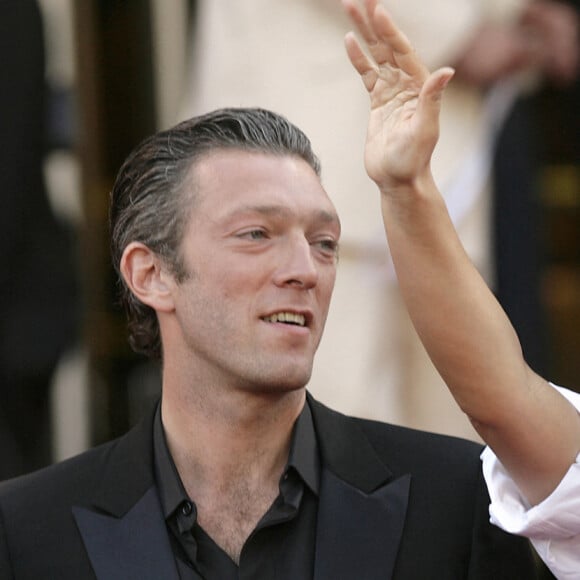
(358, 534)
(123, 527)
(133, 547)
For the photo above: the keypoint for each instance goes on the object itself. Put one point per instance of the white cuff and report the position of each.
(553, 525)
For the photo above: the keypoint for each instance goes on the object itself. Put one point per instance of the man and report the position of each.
(533, 429)
(226, 244)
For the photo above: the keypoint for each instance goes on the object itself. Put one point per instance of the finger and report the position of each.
(429, 102)
(360, 21)
(385, 28)
(380, 52)
(360, 61)
(403, 53)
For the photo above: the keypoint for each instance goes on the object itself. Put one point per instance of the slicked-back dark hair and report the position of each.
(149, 203)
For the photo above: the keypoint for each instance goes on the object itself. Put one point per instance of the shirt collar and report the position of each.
(303, 458)
(303, 455)
(171, 490)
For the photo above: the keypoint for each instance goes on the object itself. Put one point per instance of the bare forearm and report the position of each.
(463, 328)
(532, 429)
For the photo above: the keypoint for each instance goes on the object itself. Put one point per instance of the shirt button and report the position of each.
(186, 508)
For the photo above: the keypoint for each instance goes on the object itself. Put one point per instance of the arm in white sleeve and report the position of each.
(553, 525)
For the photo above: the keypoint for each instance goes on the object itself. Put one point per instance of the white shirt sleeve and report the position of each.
(553, 525)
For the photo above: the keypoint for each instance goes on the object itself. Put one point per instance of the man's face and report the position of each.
(260, 249)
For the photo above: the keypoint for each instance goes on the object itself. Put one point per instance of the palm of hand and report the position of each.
(398, 146)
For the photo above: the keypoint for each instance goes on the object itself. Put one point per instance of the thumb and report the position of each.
(429, 104)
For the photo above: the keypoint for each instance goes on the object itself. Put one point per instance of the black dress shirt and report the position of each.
(283, 543)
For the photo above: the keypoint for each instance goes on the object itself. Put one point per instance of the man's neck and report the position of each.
(238, 436)
(230, 456)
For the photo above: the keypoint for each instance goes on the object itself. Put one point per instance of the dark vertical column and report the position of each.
(559, 120)
(116, 110)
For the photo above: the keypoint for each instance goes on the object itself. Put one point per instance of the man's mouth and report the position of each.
(286, 318)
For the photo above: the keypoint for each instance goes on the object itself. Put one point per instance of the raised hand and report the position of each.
(405, 98)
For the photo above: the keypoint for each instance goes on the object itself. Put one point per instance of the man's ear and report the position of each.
(145, 275)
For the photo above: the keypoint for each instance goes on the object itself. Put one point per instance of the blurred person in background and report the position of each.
(38, 284)
(282, 55)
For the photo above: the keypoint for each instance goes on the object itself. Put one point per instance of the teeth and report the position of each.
(288, 317)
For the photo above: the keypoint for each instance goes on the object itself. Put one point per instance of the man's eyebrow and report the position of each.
(278, 210)
(261, 209)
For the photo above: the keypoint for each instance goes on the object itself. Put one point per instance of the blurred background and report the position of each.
(117, 70)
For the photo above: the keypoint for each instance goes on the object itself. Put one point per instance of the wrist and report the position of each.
(419, 187)
(415, 205)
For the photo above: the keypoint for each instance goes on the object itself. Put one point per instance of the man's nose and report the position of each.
(297, 266)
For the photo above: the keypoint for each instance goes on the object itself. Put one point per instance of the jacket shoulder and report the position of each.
(418, 445)
(404, 449)
(70, 480)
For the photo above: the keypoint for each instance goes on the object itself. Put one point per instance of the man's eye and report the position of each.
(254, 235)
(329, 246)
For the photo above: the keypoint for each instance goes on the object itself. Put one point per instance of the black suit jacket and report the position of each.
(394, 503)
